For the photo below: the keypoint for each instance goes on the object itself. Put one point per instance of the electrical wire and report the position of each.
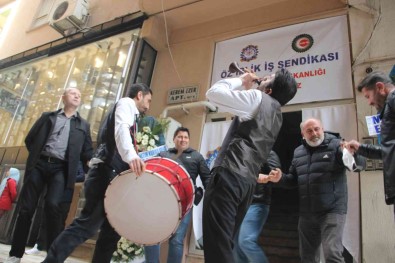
(168, 45)
(354, 63)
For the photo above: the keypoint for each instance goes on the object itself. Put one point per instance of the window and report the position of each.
(43, 11)
(99, 70)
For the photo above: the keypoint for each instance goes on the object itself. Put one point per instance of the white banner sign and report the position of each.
(373, 123)
(317, 53)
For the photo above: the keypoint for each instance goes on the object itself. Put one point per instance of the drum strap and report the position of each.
(133, 132)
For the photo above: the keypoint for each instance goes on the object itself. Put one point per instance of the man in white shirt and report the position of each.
(116, 153)
(246, 146)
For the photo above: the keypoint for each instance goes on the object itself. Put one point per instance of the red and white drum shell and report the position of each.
(147, 209)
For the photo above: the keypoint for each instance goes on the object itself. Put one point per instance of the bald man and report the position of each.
(317, 169)
(56, 143)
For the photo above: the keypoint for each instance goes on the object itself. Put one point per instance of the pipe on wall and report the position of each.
(187, 106)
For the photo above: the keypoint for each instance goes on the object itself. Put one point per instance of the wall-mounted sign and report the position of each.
(316, 52)
(373, 123)
(184, 94)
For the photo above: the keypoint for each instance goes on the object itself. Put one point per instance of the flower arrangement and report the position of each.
(148, 137)
(126, 251)
(146, 140)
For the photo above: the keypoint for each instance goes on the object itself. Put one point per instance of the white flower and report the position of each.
(146, 129)
(152, 142)
(144, 141)
(156, 137)
(149, 148)
(145, 137)
(139, 136)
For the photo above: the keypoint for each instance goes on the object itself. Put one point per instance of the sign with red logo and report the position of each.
(316, 52)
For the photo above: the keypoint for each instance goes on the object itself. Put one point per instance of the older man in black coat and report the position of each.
(56, 143)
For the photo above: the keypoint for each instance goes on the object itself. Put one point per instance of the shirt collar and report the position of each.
(62, 112)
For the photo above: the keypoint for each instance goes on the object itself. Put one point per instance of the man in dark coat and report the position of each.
(56, 143)
(319, 172)
(379, 90)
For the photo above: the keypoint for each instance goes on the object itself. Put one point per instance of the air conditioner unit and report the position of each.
(68, 14)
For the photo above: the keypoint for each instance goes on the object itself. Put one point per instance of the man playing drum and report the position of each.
(247, 144)
(195, 165)
(115, 153)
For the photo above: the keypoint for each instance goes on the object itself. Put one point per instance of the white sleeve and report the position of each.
(125, 116)
(229, 96)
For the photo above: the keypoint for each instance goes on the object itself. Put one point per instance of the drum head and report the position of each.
(144, 209)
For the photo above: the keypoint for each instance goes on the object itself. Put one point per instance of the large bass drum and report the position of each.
(147, 209)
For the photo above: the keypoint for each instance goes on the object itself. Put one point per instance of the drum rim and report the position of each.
(186, 172)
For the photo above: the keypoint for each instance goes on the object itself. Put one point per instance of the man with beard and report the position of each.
(378, 89)
(317, 169)
(246, 147)
(115, 153)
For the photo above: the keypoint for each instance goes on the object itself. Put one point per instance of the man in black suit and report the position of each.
(56, 143)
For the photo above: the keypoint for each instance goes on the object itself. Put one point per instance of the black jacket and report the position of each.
(192, 161)
(386, 150)
(320, 175)
(79, 145)
(263, 192)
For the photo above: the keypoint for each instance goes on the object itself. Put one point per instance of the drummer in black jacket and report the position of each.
(195, 165)
(246, 247)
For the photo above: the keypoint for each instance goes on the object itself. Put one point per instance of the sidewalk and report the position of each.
(4, 249)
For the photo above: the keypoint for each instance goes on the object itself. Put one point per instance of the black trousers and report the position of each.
(226, 202)
(92, 219)
(44, 174)
(41, 241)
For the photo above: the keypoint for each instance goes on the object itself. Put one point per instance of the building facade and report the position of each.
(102, 46)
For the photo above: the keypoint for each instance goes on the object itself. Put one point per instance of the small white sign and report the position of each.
(184, 94)
(373, 123)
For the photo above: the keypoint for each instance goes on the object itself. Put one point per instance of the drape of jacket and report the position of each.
(79, 144)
